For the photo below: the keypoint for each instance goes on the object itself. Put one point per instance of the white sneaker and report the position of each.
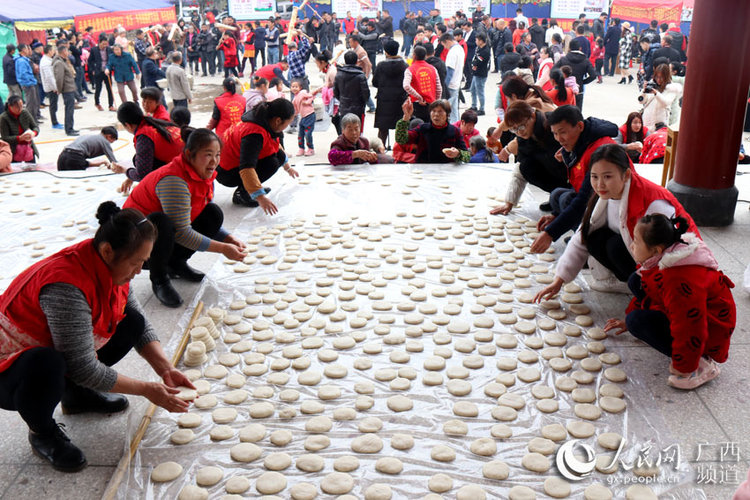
(609, 285)
(707, 371)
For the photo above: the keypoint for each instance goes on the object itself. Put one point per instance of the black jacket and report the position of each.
(598, 29)
(442, 72)
(386, 26)
(582, 68)
(9, 70)
(369, 41)
(593, 130)
(207, 41)
(537, 35)
(480, 65)
(351, 89)
(612, 40)
(409, 27)
(507, 37)
(95, 61)
(388, 78)
(537, 154)
(509, 62)
(670, 53)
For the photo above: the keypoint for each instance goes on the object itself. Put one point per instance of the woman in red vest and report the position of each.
(177, 199)
(156, 142)
(228, 108)
(621, 197)
(152, 100)
(66, 320)
(253, 153)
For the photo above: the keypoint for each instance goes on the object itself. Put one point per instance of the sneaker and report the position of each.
(56, 448)
(310, 152)
(610, 285)
(58, 126)
(707, 371)
(241, 197)
(301, 152)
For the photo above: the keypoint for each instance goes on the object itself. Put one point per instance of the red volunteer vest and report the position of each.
(267, 71)
(230, 153)
(164, 150)
(161, 113)
(577, 172)
(23, 324)
(548, 85)
(144, 196)
(231, 107)
(424, 80)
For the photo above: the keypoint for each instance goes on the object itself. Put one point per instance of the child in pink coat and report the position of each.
(303, 106)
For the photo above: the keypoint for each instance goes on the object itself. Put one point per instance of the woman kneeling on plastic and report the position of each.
(177, 198)
(66, 320)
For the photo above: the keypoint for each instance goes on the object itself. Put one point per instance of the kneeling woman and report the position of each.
(683, 305)
(66, 320)
(621, 197)
(253, 153)
(177, 199)
(437, 141)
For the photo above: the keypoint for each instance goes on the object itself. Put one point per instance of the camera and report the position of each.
(647, 89)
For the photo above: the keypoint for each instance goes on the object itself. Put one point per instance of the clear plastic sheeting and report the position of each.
(377, 273)
(43, 213)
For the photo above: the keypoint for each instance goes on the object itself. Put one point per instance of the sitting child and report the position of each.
(570, 80)
(275, 89)
(683, 304)
(377, 147)
(479, 151)
(493, 144)
(180, 116)
(303, 106)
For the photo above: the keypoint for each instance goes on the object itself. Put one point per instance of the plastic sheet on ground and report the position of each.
(334, 233)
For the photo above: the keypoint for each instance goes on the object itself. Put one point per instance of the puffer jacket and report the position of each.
(351, 89)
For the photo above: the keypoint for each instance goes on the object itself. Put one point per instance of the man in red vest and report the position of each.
(422, 84)
(579, 139)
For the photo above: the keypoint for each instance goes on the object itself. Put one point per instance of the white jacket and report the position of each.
(47, 75)
(658, 108)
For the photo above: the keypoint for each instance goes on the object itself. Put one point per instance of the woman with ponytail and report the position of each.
(177, 200)
(620, 199)
(252, 153)
(228, 108)
(560, 95)
(683, 305)
(66, 320)
(156, 142)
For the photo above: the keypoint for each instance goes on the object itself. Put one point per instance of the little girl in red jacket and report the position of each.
(683, 305)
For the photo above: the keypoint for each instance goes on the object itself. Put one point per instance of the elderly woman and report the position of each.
(18, 128)
(351, 148)
(437, 141)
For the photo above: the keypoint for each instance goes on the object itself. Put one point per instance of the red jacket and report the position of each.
(685, 284)
(229, 46)
(144, 196)
(79, 265)
(424, 80)
(161, 113)
(231, 107)
(267, 71)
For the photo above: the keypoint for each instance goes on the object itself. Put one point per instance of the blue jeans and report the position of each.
(453, 100)
(273, 54)
(408, 42)
(477, 91)
(560, 198)
(306, 127)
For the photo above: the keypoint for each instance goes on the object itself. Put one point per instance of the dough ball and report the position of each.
(277, 461)
(455, 427)
(221, 432)
(245, 452)
(556, 487)
(167, 471)
(337, 483)
(471, 492)
(367, 443)
(609, 440)
(182, 436)
(237, 485)
(442, 453)
(189, 420)
(209, 476)
(440, 483)
(536, 462)
(496, 470)
(389, 465)
(399, 403)
(252, 433)
(192, 492)
(597, 491)
(346, 463)
(484, 447)
(378, 492)
(310, 463)
(303, 491)
(270, 483)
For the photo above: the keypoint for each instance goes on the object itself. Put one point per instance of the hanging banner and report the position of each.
(450, 7)
(643, 11)
(128, 19)
(571, 9)
(246, 10)
(364, 8)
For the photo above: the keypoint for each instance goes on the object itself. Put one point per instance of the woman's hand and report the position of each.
(451, 153)
(503, 209)
(550, 290)
(637, 146)
(292, 172)
(175, 378)
(232, 251)
(503, 155)
(117, 168)
(267, 205)
(544, 221)
(408, 109)
(166, 397)
(125, 188)
(234, 241)
(365, 155)
(616, 324)
(541, 243)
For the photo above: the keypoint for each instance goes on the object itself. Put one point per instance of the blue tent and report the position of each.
(45, 10)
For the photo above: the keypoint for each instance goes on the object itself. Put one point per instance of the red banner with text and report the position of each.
(643, 11)
(129, 19)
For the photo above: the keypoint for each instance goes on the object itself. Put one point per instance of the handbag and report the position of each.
(24, 153)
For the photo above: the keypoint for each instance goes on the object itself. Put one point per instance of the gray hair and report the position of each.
(349, 119)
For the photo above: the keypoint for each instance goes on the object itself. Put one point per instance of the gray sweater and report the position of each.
(178, 83)
(69, 319)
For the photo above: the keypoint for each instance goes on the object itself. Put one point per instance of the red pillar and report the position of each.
(713, 110)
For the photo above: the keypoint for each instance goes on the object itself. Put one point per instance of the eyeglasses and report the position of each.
(520, 128)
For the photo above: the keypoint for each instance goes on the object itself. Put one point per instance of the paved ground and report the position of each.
(713, 415)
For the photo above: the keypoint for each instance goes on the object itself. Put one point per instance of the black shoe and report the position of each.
(621, 81)
(241, 197)
(166, 294)
(472, 108)
(545, 207)
(630, 79)
(480, 112)
(267, 190)
(56, 448)
(73, 133)
(184, 271)
(77, 399)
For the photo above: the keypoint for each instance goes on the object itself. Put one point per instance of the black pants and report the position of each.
(34, 383)
(260, 53)
(99, 80)
(53, 99)
(607, 247)
(71, 160)
(421, 112)
(179, 103)
(167, 252)
(652, 327)
(69, 99)
(264, 170)
(210, 58)
(544, 176)
(579, 100)
(610, 63)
